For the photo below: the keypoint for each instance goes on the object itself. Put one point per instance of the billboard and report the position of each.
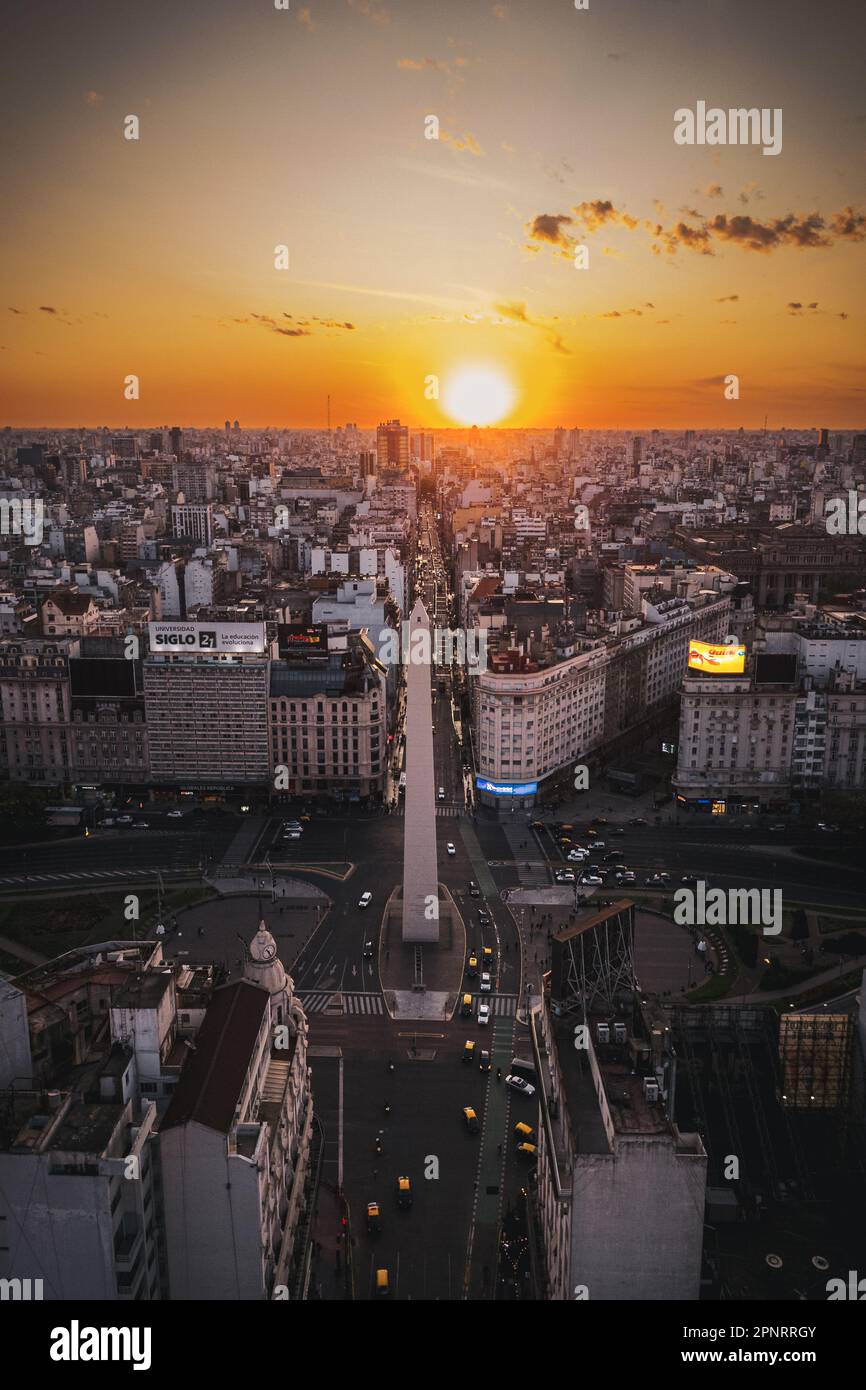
(298, 637)
(717, 660)
(506, 788)
(238, 638)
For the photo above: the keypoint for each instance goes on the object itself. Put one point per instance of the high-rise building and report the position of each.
(193, 521)
(206, 700)
(175, 441)
(392, 444)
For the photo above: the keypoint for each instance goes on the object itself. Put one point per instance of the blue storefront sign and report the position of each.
(506, 788)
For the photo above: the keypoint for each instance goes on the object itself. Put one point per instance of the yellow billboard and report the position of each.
(718, 661)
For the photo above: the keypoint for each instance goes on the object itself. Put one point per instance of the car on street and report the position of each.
(404, 1192)
(474, 891)
(450, 848)
(591, 880)
(657, 880)
(483, 917)
(290, 835)
(468, 1054)
(827, 827)
(778, 827)
(441, 793)
(598, 844)
(124, 820)
(626, 876)
(486, 982)
(521, 1085)
(564, 875)
(689, 879)
(484, 1012)
(638, 820)
(470, 1119)
(374, 1219)
(484, 1061)
(140, 825)
(368, 950)
(472, 965)
(487, 957)
(365, 899)
(524, 1133)
(466, 1006)
(617, 830)
(577, 856)
(175, 815)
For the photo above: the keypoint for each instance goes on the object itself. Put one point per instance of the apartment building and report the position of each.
(531, 725)
(328, 720)
(235, 1141)
(35, 710)
(620, 1188)
(756, 741)
(206, 704)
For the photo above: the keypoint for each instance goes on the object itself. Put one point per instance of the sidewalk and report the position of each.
(329, 1276)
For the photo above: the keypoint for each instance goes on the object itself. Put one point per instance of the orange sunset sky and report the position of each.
(412, 257)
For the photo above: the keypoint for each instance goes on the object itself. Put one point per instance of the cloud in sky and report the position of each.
(804, 231)
(466, 142)
(516, 311)
(372, 10)
(420, 65)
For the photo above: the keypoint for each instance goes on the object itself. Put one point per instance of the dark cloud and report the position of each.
(548, 227)
(46, 309)
(849, 225)
(728, 299)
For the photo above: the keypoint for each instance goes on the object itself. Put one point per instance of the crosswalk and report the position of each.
(318, 1001)
(91, 875)
(501, 1005)
(369, 1002)
(440, 811)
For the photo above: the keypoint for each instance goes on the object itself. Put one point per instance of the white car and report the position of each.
(365, 899)
(140, 825)
(124, 820)
(518, 1083)
(450, 848)
(565, 875)
(441, 791)
(627, 876)
(175, 815)
(485, 981)
(577, 856)
(484, 1013)
(591, 880)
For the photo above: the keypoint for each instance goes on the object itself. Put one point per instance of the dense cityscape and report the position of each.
(433, 673)
(206, 736)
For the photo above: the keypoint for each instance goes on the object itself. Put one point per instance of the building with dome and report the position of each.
(235, 1141)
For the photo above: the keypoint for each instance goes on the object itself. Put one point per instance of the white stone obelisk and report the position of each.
(420, 867)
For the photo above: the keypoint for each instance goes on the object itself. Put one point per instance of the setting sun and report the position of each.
(477, 395)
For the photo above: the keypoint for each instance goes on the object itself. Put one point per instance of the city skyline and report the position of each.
(411, 258)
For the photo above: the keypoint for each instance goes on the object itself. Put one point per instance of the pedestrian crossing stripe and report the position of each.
(356, 1002)
(452, 811)
(501, 1005)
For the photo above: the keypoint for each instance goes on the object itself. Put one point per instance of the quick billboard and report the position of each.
(506, 788)
(717, 661)
(240, 638)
